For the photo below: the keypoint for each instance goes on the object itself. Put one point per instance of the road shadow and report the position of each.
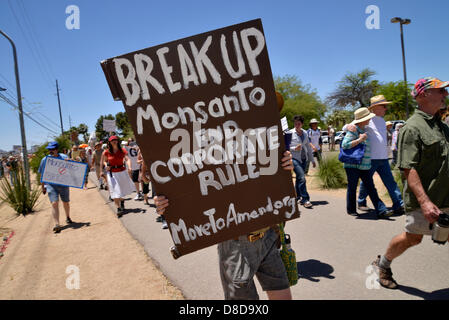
(371, 215)
(319, 203)
(442, 294)
(313, 269)
(75, 225)
(134, 210)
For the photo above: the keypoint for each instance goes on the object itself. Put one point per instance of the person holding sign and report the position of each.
(56, 191)
(250, 255)
(119, 181)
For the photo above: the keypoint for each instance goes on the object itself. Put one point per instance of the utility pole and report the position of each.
(19, 104)
(59, 104)
(70, 122)
(402, 22)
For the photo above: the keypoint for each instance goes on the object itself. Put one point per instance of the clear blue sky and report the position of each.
(319, 41)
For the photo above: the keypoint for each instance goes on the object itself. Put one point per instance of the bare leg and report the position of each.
(117, 202)
(55, 212)
(399, 244)
(284, 294)
(66, 208)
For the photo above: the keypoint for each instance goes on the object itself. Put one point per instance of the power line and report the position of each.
(34, 51)
(6, 99)
(36, 38)
(29, 104)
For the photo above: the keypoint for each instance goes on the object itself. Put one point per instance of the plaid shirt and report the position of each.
(346, 144)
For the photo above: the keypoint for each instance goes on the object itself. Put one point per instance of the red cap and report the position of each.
(113, 138)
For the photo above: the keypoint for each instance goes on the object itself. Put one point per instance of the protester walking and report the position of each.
(133, 151)
(423, 155)
(119, 180)
(377, 135)
(331, 138)
(302, 153)
(240, 259)
(56, 192)
(84, 159)
(96, 163)
(316, 142)
(355, 171)
(394, 144)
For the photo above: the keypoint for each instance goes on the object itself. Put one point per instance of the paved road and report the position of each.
(333, 251)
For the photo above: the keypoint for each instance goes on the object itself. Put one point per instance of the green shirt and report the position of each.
(424, 146)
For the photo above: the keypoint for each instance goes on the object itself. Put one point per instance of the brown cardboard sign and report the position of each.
(204, 114)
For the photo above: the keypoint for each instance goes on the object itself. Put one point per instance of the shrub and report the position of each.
(18, 196)
(331, 173)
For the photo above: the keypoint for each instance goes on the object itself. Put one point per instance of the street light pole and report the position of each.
(402, 22)
(19, 103)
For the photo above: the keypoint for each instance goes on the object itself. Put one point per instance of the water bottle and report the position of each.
(440, 228)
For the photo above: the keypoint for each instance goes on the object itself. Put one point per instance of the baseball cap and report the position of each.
(52, 145)
(428, 83)
(113, 138)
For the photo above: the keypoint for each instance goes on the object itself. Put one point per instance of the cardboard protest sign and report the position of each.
(204, 113)
(64, 172)
(109, 125)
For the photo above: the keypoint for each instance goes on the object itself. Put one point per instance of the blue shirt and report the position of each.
(61, 156)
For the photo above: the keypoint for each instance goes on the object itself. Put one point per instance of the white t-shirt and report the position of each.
(377, 135)
(132, 154)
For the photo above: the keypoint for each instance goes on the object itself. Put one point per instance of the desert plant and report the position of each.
(331, 173)
(18, 196)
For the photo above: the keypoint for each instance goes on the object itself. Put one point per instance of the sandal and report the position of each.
(57, 229)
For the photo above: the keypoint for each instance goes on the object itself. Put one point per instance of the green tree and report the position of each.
(355, 89)
(395, 92)
(121, 119)
(338, 118)
(101, 134)
(299, 99)
(83, 129)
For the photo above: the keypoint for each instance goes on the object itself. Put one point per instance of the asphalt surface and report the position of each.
(333, 250)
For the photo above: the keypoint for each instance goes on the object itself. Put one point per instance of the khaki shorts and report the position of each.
(241, 260)
(416, 223)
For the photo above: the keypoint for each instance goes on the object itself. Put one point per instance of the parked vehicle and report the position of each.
(395, 122)
(339, 136)
(325, 136)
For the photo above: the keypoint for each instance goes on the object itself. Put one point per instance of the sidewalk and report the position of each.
(112, 265)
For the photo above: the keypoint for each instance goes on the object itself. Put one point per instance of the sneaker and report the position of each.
(363, 208)
(385, 275)
(159, 219)
(164, 225)
(385, 214)
(399, 212)
(308, 204)
(57, 229)
(137, 197)
(119, 212)
(354, 214)
(101, 187)
(68, 221)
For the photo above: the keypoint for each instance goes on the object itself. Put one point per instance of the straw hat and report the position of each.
(378, 101)
(388, 123)
(361, 115)
(313, 121)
